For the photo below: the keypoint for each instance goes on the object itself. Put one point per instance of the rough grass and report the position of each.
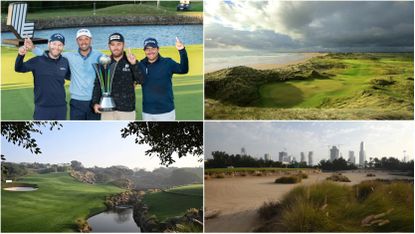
(329, 207)
(55, 206)
(338, 178)
(288, 179)
(166, 205)
(337, 86)
(17, 88)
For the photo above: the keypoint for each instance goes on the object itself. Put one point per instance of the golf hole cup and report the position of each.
(105, 72)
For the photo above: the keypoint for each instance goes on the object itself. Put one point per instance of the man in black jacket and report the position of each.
(127, 75)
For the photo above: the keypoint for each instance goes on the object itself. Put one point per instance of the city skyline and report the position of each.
(267, 137)
(93, 144)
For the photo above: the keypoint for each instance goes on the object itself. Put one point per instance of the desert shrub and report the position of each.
(339, 178)
(303, 175)
(220, 175)
(288, 180)
(269, 209)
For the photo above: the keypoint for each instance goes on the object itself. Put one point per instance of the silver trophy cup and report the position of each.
(105, 75)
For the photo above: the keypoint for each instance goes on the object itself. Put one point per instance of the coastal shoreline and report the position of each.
(272, 65)
(307, 56)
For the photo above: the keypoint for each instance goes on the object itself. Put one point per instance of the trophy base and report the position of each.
(107, 103)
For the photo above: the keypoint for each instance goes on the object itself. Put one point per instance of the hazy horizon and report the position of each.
(381, 139)
(92, 143)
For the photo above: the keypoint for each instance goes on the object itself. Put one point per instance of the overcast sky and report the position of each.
(381, 138)
(303, 26)
(93, 144)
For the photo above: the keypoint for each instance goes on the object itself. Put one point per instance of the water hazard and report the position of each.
(134, 35)
(117, 220)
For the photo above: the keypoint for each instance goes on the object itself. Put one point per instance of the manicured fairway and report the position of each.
(174, 202)
(54, 207)
(17, 88)
(347, 83)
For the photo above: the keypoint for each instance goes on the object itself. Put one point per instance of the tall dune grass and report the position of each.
(371, 206)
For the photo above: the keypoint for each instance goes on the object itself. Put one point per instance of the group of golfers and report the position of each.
(52, 67)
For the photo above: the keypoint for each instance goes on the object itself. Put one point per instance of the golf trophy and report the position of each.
(105, 73)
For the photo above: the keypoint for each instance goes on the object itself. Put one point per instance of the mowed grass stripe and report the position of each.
(55, 206)
(165, 205)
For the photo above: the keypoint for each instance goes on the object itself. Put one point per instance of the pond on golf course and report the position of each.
(134, 35)
(116, 220)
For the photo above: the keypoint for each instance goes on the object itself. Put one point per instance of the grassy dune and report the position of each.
(372, 206)
(54, 207)
(17, 88)
(174, 202)
(336, 86)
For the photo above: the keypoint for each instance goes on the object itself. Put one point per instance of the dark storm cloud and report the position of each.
(219, 36)
(319, 26)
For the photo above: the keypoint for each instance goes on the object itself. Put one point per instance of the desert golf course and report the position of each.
(17, 88)
(332, 86)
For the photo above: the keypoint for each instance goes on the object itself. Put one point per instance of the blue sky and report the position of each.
(381, 138)
(93, 144)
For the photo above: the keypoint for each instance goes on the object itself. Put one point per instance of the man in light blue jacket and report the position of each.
(82, 75)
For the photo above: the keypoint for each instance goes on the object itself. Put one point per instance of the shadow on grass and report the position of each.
(280, 94)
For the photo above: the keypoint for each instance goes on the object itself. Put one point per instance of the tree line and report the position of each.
(223, 160)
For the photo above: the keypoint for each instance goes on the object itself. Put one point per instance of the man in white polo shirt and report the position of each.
(82, 75)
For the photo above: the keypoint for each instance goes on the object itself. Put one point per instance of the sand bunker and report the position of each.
(21, 189)
(238, 198)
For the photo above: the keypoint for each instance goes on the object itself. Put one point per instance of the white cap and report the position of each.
(83, 32)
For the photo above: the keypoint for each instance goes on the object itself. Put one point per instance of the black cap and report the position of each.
(115, 37)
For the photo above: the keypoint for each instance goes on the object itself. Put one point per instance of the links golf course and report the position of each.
(332, 86)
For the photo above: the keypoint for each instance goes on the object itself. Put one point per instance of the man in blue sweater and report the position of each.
(49, 72)
(158, 100)
(83, 75)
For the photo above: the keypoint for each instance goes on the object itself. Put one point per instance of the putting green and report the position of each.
(17, 88)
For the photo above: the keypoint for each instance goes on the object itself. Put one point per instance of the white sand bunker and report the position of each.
(20, 189)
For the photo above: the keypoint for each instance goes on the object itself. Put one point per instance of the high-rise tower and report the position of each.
(310, 158)
(362, 156)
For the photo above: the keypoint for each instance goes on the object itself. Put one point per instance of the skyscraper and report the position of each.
(303, 157)
(267, 157)
(334, 153)
(362, 156)
(310, 158)
(243, 151)
(352, 158)
(283, 156)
